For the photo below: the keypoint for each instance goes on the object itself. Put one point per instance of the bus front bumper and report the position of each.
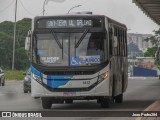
(101, 89)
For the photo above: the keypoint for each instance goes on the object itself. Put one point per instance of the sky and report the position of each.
(123, 11)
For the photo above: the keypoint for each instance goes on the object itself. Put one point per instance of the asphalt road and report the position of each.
(139, 95)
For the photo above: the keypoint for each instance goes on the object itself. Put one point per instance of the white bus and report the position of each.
(78, 57)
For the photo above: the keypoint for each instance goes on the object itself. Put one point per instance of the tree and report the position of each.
(21, 61)
(5, 50)
(6, 44)
(150, 52)
(155, 39)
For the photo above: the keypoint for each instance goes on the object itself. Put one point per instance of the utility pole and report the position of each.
(14, 41)
(43, 7)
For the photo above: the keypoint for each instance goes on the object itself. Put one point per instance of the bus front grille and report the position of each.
(70, 89)
(69, 72)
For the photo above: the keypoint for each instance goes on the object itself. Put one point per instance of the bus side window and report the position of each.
(124, 49)
(118, 47)
(125, 40)
(121, 42)
(115, 34)
(110, 41)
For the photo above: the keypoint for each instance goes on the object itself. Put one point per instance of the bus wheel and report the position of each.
(119, 98)
(70, 101)
(3, 84)
(25, 91)
(46, 103)
(105, 102)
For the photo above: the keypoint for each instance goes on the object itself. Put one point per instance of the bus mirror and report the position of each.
(115, 41)
(27, 43)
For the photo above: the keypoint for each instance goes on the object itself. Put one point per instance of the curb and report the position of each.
(148, 108)
(143, 77)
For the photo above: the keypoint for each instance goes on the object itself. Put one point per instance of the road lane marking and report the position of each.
(152, 105)
(149, 107)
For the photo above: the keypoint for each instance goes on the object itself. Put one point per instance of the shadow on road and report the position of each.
(92, 105)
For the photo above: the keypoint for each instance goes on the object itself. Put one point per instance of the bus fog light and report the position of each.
(35, 77)
(104, 76)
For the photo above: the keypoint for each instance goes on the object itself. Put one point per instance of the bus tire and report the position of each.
(46, 103)
(3, 84)
(70, 101)
(25, 91)
(119, 98)
(105, 103)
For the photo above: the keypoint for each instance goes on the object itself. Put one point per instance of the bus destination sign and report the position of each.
(65, 23)
(68, 23)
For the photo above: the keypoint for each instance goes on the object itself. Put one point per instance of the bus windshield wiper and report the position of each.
(81, 38)
(36, 49)
(55, 37)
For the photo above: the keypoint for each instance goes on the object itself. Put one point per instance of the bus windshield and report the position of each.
(70, 49)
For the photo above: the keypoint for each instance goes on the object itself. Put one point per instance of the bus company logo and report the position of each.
(6, 114)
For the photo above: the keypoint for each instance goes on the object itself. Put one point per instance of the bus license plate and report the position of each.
(69, 94)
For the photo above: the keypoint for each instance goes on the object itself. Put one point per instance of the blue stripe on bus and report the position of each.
(52, 80)
(59, 77)
(35, 71)
(56, 83)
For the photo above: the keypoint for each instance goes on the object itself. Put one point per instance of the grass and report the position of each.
(13, 75)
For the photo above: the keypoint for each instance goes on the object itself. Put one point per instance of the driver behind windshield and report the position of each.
(93, 50)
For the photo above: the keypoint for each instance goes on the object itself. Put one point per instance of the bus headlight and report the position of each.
(35, 77)
(102, 77)
(26, 79)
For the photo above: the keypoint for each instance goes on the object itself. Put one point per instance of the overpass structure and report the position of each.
(151, 8)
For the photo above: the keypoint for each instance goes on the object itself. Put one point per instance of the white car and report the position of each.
(2, 78)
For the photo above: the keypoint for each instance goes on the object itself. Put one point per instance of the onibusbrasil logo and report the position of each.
(21, 114)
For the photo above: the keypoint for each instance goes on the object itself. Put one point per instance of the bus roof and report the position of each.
(84, 15)
(77, 15)
(70, 15)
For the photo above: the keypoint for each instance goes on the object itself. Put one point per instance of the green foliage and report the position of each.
(6, 44)
(154, 38)
(150, 52)
(14, 75)
(21, 60)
